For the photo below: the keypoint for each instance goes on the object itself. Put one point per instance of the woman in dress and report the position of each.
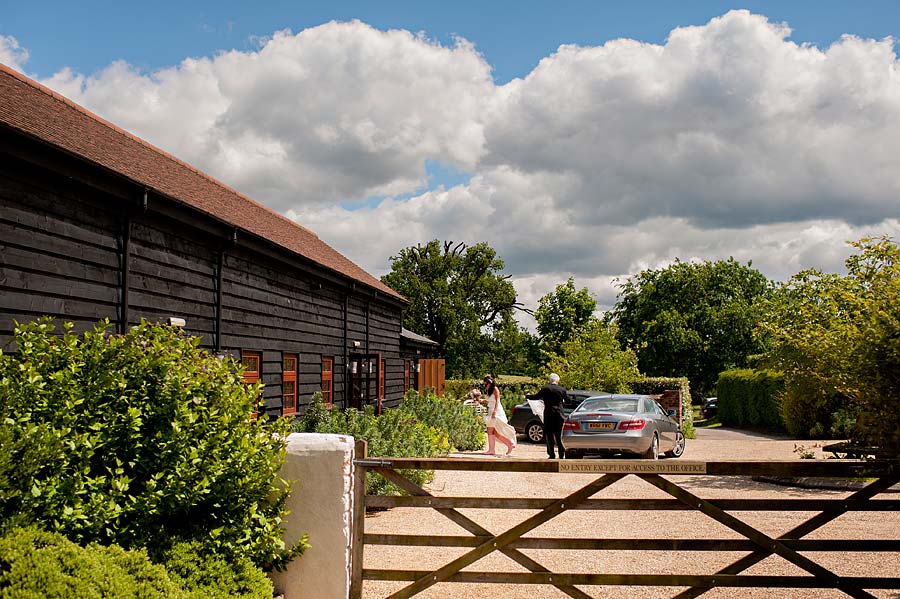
(497, 426)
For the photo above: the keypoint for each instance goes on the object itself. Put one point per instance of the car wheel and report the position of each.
(535, 432)
(678, 450)
(573, 454)
(652, 452)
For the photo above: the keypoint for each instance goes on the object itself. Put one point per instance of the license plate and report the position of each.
(601, 425)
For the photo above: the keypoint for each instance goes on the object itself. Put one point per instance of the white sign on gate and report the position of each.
(626, 467)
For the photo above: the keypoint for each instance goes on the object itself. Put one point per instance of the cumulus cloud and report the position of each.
(727, 124)
(729, 139)
(336, 112)
(12, 54)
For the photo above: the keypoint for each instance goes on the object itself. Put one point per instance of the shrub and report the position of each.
(393, 434)
(464, 428)
(808, 409)
(751, 398)
(658, 385)
(140, 440)
(208, 576)
(42, 565)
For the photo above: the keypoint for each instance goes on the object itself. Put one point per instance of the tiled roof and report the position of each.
(41, 113)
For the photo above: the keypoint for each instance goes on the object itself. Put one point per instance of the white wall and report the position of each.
(320, 468)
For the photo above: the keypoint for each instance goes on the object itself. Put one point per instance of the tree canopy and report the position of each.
(839, 337)
(457, 297)
(562, 313)
(593, 360)
(691, 319)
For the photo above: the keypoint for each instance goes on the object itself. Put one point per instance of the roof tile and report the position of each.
(39, 112)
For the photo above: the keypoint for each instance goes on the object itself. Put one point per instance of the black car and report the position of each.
(526, 423)
(709, 408)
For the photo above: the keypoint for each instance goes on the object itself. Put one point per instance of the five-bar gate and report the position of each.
(757, 545)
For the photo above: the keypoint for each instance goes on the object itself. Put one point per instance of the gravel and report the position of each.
(711, 445)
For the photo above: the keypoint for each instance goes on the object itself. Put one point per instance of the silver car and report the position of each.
(629, 424)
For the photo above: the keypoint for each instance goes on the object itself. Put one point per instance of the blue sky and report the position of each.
(512, 35)
(583, 139)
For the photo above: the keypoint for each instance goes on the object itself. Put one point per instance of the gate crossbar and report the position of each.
(509, 542)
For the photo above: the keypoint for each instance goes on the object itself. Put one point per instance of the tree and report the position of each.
(837, 339)
(691, 319)
(456, 297)
(562, 313)
(594, 360)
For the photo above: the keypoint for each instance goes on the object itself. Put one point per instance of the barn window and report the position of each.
(327, 380)
(252, 363)
(289, 384)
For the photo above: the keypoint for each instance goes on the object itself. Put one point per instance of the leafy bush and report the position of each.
(140, 440)
(751, 398)
(207, 576)
(464, 428)
(42, 565)
(658, 385)
(393, 434)
(808, 409)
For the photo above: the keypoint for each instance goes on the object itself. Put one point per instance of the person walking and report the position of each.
(495, 420)
(554, 397)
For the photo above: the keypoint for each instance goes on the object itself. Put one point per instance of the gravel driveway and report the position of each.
(711, 445)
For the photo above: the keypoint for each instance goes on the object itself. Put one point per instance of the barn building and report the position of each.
(96, 223)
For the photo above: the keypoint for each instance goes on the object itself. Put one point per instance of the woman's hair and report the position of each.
(491, 385)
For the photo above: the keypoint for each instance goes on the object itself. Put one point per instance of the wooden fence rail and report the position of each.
(791, 545)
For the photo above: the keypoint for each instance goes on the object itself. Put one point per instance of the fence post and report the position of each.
(359, 520)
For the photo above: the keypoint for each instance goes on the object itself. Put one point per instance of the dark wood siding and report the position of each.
(61, 254)
(58, 250)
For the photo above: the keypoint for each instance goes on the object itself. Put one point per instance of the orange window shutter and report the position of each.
(289, 384)
(327, 381)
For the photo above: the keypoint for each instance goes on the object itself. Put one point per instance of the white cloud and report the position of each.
(728, 140)
(336, 112)
(12, 54)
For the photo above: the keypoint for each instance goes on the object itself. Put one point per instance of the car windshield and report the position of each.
(608, 403)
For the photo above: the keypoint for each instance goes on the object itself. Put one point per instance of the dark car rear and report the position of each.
(526, 423)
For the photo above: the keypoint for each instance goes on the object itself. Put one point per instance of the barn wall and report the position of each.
(62, 253)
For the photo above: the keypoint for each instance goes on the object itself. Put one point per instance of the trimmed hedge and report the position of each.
(751, 398)
(41, 565)
(658, 385)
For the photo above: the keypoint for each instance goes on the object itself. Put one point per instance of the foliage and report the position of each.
(140, 440)
(464, 428)
(691, 319)
(837, 339)
(513, 350)
(659, 385)
(393, 434)
(456, 298)
(512, 389)
(562, 314)
(594, 360)
(42, 565)
(207, 576)
(751, 398)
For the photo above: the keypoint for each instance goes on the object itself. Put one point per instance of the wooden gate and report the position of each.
(755, 543)
(431, 374)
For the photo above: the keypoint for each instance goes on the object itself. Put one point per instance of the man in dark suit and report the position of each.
(554, 396)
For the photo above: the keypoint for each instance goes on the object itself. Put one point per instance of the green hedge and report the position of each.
(140, 440)
(512, 389)
(42, 565)
(464, 428)
(751, 398)
(658, 385)
(393, 434)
